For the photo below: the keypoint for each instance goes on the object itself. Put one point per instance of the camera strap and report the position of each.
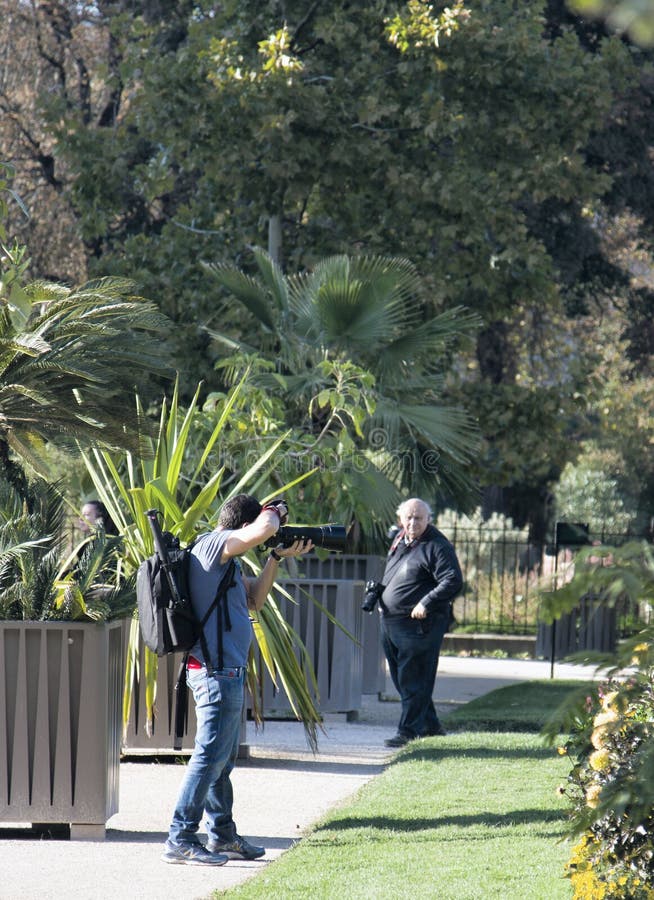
(396, 541)
(396, 554)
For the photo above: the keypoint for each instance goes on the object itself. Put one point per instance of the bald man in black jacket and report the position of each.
(421, 579)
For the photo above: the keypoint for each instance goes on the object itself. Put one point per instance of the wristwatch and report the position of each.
(276, 555)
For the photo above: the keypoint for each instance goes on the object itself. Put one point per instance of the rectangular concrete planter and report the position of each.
(61, 686)
(162, 737)
(351, 567)
(336, 659)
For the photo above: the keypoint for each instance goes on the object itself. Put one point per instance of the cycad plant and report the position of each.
(68, 358)
(353, 342)
(40, 578)
(172, 479)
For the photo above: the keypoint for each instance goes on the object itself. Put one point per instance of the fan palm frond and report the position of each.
(370, 312)
(248, 291)
(355, 301)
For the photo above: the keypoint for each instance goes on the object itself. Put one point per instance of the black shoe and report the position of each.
(439, 731)
(398, 740)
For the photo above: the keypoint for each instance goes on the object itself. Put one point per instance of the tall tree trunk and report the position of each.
(495, 354)
(275, 238)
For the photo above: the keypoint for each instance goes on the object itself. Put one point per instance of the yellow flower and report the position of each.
(604, 718)
(608, 699)
(599, 760)
(561, 751)
(640, 650)
(598, 737)
(592, 795)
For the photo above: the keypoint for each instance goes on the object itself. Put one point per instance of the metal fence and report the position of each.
(503, 573)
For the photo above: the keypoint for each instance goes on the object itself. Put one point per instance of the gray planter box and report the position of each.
(338, 580)
(336, 659)
(162, 737)
(374, 663)
(61, 686)
(351, 567)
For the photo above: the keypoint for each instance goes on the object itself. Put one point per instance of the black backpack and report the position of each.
(166, 617)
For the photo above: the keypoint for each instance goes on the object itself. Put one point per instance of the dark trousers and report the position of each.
(412, 647)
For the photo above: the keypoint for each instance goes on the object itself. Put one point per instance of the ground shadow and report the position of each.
(314, 765)
(286, 762)
(492, 820)
(61, 832)
(435, 754)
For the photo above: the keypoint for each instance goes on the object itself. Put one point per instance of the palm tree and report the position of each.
(368, 313)
(68, 359)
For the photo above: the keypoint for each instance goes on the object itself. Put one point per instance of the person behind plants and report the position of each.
(218, 692)
(94, 516)
(421, 579)
(94, 521)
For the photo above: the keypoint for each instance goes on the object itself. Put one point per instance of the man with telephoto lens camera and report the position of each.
(421, 579)
(218, 682)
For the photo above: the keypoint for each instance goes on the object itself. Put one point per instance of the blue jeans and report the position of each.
(206, 786)
(412, 648)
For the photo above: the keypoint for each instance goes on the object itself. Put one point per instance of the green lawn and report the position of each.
(471, 816)
(518, 707)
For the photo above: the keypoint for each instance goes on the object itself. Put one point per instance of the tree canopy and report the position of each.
(503, 148)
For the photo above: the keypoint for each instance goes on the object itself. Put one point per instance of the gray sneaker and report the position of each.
(192, 854)
(239, 848)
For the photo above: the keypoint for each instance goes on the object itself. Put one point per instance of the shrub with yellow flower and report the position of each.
(640, 654)
(609, 699)
(599, 736)
(607, 717)
(592, 795)
(600, 760)
(610, 744)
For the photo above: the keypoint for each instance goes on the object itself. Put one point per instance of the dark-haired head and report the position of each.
(96, 515)
(239, 511)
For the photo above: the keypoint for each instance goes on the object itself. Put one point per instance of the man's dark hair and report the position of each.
(238, 511)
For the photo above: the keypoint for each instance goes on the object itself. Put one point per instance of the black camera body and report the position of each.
(372, 596)
(327, 537)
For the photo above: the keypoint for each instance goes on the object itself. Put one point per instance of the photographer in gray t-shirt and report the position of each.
(218, 684)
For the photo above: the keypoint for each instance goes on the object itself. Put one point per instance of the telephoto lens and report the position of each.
(327, 537)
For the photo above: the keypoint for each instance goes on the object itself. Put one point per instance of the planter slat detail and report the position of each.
(60, 713)
(336, 658)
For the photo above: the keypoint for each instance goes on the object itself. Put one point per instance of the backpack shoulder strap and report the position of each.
(226, 582)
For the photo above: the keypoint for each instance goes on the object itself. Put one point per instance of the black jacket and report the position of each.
(425, 571)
